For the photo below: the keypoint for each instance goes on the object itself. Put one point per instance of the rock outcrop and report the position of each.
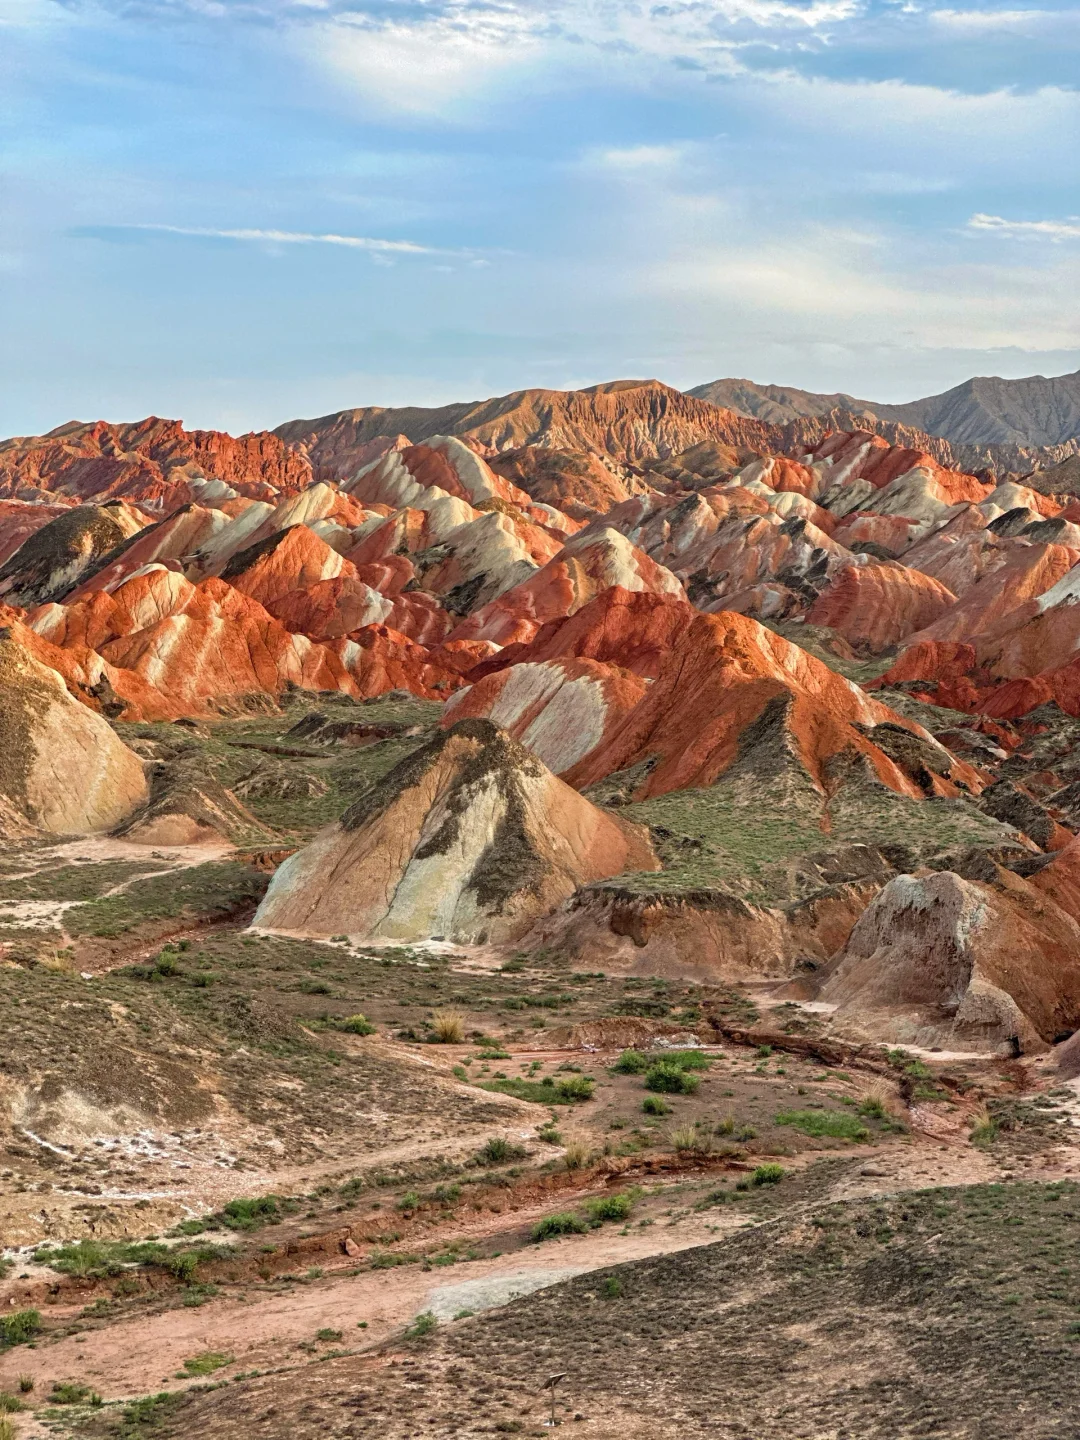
(959, 963)
(62, 769)
(471, 838)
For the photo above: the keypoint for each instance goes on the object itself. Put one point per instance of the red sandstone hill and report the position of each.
(156, 463)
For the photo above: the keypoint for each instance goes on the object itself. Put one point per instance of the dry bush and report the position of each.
(577, 1155)
(691, 1140)
(448, 1027)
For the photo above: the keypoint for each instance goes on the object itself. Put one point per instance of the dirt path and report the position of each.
(265, 1330)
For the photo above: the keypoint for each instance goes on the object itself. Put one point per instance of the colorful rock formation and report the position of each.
(470, 838)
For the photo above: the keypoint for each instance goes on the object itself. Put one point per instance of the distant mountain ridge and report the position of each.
(632, 421)
(776, 404)
(1033, 413)
(638, 421)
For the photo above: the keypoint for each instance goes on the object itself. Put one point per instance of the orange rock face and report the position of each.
(717, 683)
(634, 629)
(876, 606)
(155, 463)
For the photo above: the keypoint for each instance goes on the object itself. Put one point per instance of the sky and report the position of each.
(238, 212)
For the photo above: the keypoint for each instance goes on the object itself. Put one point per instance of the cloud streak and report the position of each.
(303, 237)
(1067, 229)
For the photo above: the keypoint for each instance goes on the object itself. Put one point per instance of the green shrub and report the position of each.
(327, 1333)
(611, 1207)
(671, 1079)
(423, 1325)
(611, 1288)
(10, 1404)
(564, 1224)
(20, 1327)
(182, 1265)
(250, 1214)
(653, 1105)
(356, 1025)
(575, 1087)
(820, 1123)
(497, 1151)
(632, 1062)
(872, 1108)
(769, 1174)
(70, 1392)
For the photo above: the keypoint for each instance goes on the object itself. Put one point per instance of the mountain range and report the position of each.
(986, 410)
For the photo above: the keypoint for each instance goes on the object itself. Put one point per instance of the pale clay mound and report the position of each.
(62, 769)
(945, 961)
(471, 838)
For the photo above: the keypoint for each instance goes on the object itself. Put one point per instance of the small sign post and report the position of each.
(550, 1384)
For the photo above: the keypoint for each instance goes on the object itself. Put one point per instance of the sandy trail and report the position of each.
(264, 1330)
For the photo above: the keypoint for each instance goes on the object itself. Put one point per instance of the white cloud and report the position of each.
(456, 53)
(299, 237)
(1067, 229)
(634, 158)
(985, 21)
(428, 67)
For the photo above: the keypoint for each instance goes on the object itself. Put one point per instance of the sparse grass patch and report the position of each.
(691, 1140)
(822, 1123)
(207, 1362)
(548, 1091)
(577, 1155)
(71, 1392)
(984, 1127)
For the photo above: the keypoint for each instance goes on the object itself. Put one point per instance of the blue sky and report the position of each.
(241, 211)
